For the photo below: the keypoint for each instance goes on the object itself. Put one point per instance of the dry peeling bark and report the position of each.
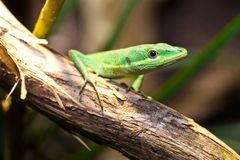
(138, 127)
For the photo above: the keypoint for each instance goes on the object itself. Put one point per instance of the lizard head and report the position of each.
(163, 54)
(149, 57)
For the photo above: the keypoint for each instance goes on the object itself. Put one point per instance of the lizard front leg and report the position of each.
(79, 60)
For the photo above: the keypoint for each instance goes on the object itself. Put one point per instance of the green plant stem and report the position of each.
(121, 22)
(47, 17)
(199, 62)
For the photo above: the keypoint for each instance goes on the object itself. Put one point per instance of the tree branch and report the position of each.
(138, 127)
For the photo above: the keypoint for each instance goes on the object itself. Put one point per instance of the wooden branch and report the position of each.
(138, 127)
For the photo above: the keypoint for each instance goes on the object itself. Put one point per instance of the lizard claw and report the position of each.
(92, 83)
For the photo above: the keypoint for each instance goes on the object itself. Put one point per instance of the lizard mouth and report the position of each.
(175, 60)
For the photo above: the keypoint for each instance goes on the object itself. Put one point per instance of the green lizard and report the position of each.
(130, 61)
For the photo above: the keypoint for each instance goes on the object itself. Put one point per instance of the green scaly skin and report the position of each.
(132, 61)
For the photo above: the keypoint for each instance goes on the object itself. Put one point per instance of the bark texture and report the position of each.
(138, 127)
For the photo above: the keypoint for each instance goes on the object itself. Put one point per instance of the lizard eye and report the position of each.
(152, 54)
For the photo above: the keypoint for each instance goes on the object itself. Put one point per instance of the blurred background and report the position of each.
(210, 94)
